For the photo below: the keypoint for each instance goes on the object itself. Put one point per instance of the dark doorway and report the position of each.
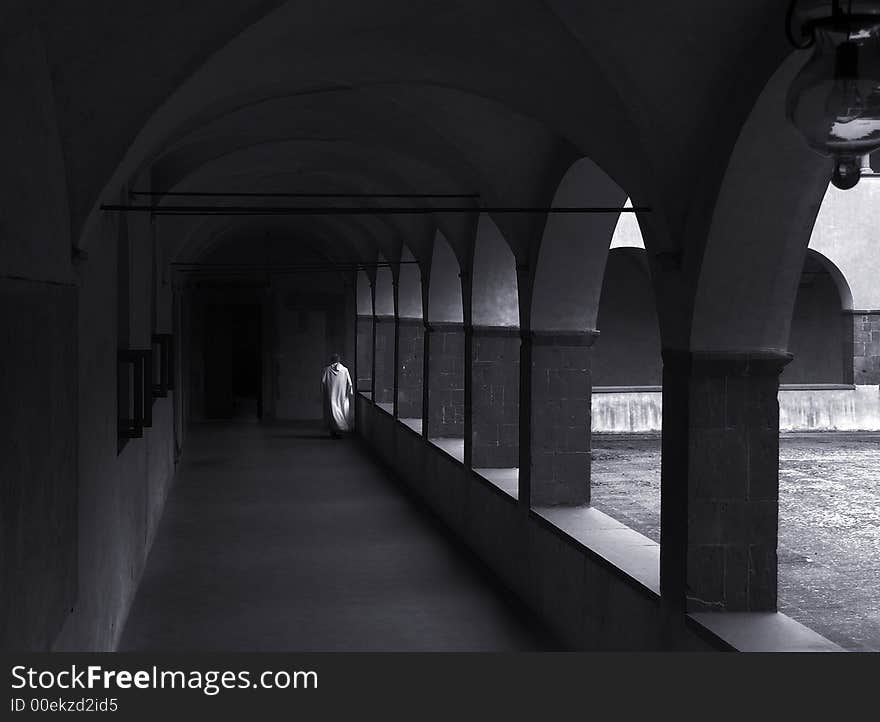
(233, 356)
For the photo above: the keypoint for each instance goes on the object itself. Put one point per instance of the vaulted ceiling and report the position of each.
(495, 97)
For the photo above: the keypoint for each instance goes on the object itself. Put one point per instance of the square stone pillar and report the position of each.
(561, 391)
(495, 397)
(720, 480)
(410, 365)
(386, 339)
(364, 358)
(866, 347)
(445, 414)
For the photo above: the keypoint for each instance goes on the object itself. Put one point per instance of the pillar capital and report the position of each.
(443, 326)
(568, 339)
(709, 364)
(495, 331)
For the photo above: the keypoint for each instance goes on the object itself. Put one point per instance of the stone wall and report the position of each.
(411, 350)
(561, 387)
(866, 347)
(120, 492)
(585, 599)
(446, 381)
(38, 462)
(364, 353)
(495, 397)
(733, 483)
(383, 389)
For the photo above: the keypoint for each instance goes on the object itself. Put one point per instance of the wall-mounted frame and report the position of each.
(162, 367)
(134, 387)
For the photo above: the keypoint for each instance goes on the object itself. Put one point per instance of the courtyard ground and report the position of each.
(829, 522)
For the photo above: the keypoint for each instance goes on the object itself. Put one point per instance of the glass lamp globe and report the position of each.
(835, 99)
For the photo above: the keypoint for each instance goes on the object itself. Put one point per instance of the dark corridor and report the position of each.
(233, 351)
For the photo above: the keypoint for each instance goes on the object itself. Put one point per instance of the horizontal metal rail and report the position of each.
(355, 210)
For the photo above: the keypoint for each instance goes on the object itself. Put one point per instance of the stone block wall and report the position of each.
(561, 390)
(385, 340)
(364, 380)
(446, 381)
(866, 347)
(411, 350)
(733, 484)
(495, 398)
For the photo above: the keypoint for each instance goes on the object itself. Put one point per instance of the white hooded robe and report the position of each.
(337, 391)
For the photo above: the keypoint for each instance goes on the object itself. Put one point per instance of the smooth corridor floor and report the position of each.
(276, 537)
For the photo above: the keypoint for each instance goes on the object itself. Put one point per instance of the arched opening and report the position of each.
(627, 378)
(364, 292)
(445, 351)
(444, 289)
(829, 415)
(494, 362)
(411, 339)
(761, 295)
(821, 337)
(565, 305)
(627, 352)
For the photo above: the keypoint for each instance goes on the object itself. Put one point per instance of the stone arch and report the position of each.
(567, 286)
(495, 350)
(409, 289)
(821, 338)
(720, 400)
(760, 230)
(845, 234)
(445, 345)
(444, 286)
(573, 250)
(364, 294)
(494, 286)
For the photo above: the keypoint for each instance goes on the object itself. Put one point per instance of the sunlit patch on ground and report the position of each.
(829, 522)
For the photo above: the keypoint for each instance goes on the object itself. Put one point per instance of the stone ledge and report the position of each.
(621, 547)
(451, 445)
(414, 424)
(761, 632)
(507, 480)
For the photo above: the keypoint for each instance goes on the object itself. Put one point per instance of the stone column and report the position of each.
(383, 384)
(720, 480)
(445, 414)
(364, 357)
(494, 372)
(866, 347)
(561, 390)
(410, 350)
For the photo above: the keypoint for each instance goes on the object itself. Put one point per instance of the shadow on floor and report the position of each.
(272, 541)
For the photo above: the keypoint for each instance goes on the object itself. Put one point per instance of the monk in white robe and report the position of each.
(337, 391)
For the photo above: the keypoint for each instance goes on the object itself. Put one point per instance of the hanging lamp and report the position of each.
(835, 99)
